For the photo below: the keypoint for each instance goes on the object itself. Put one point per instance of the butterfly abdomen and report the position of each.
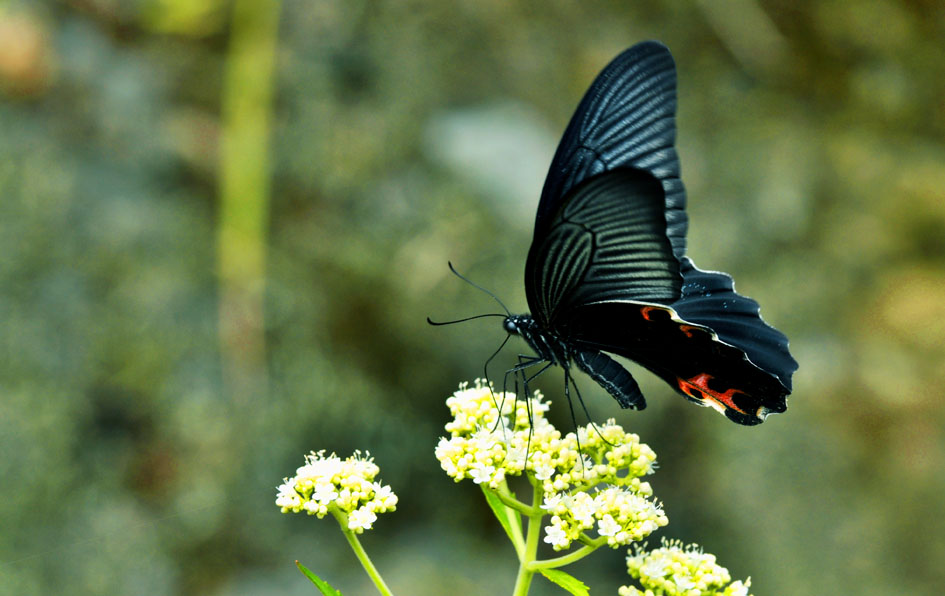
(612, 377)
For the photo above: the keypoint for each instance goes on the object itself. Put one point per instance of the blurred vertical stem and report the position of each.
(244, 194)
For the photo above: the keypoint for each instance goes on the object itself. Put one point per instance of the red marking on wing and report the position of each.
(699, 385)
(646, 310)
(689, 330)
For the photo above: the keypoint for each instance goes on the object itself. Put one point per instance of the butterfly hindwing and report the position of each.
(690, 357)
(709, 299)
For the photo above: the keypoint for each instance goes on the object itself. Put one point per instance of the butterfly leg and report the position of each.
(485, 373)
(568, 381)
(524, 361)
(526, 380)
(586, 413)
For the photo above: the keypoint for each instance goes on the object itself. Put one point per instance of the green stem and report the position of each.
(361, 554)
(565, 559)
(515, 527)
(582, 488)
(525, 570)
(505, 495)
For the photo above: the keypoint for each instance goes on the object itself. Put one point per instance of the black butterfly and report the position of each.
(608, 272)
(607, 269)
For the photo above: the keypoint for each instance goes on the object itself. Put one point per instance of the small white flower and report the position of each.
(318, 466)
(552, 501)
(583, 510)
(515, 455)
(607, 526)
(313, 507)
(384, 495)
(649, 526)
(684, 583)
(324, 493)
(287, 497)
(361, 519)
(449, 467)
(654, 567)
(556, 537)
(738, 588)
(481, 473)
(544, 471)
(484, 439)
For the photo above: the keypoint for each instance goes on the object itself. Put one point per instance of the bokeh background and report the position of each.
(222, 225)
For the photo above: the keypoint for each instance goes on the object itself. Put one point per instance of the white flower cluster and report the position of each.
(491, 433)
(485, 446)
(329, 484)
(621, 515)
(674, 570)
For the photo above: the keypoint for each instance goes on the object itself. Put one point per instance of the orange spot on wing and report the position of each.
(689, 330)
(698, 388)
(646, 310)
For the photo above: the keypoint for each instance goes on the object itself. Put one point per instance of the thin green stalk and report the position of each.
(565, 559)
(516, 529)
(505, 495)
(525, 572)
(360, 553)
(581, 488)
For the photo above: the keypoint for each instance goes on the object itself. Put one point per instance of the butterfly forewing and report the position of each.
(607, 241)
(626, 119)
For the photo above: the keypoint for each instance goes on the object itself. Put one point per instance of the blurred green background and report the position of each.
(182, 317)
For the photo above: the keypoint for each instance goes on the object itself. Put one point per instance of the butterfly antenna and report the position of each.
(437, 323)
(478, 287)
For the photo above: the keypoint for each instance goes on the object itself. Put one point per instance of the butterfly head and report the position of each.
(518, 325)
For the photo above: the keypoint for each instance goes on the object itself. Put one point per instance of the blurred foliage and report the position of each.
(405, 134)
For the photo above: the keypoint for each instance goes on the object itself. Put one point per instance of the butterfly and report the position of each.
(607, 271)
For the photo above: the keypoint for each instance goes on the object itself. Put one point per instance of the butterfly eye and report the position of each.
(510, 326)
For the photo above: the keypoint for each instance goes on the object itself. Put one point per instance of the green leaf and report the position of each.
(506, 515)
(568, 582)
(321, 584)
